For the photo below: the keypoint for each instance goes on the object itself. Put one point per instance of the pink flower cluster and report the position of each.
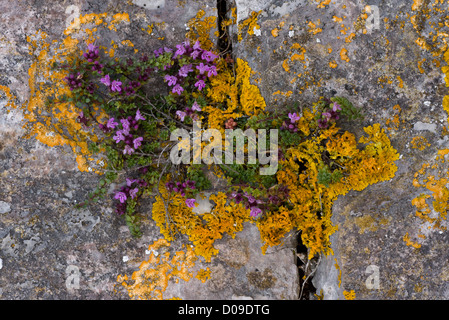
(189, 112)
(114, 86)
(74, 81)
(291, 126)
(180, 187)
(329, 115)
(206, 67)
(124, 133)
(130, 191)
(250, 202)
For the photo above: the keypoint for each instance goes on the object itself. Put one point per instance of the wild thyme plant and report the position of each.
(317, 162)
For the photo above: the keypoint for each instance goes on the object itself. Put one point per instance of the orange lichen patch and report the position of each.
(117, 18)
(408, 242)
(250, 23)
(127, 43)
(285, 94)
(349, 38)
(420, 143)
(153, 277)
(441, 155)
(395, 121)
(420, 63)
(333, 64)
(339, 272)
(360, 23)
(10, 104)
(202, 231)
(400, 82)
(313, 27)
(417, 4)
(440, 195)
(275, 32)
(149, 29)
(203, 275)
(349, 295)
(286, 66)
(337, 19)
(344, 55)
(323, 3)
(297, 56)
(200, 29)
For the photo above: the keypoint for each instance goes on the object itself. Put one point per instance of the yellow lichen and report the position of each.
(153, 277)
(420, 143)
(250, 23)
(408, 242)
(349, 295)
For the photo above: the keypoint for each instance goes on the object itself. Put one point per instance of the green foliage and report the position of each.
(327, 177)
(348, 109)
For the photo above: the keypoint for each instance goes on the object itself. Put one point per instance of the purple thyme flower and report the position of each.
(129, 181)
(209, 56)
(184, 70)
(116, 86)
(106, 80)
(128, 150)
(125, 124)
(91, 47)
(170, 79)
(251, 199)
(82, 119)
(336, 107)
(255, 211)
(97, 67)
(197, 45)
(212, 71)
(111, 124)
(190, 184)
(327, 115)
(178, 89)
(322, 123)
(133, 192)
(170, 186)
(200, 85)
(74, 81)
(181, 114)
(202, 68)
(195, 54)
(137, 142)
(196, 106)
(121, 196)
(139, 116)
(181, 50)
(118, 137)
(293, 117)
(92, 53)
(237, 197)
(158, 52)
(190, 203)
